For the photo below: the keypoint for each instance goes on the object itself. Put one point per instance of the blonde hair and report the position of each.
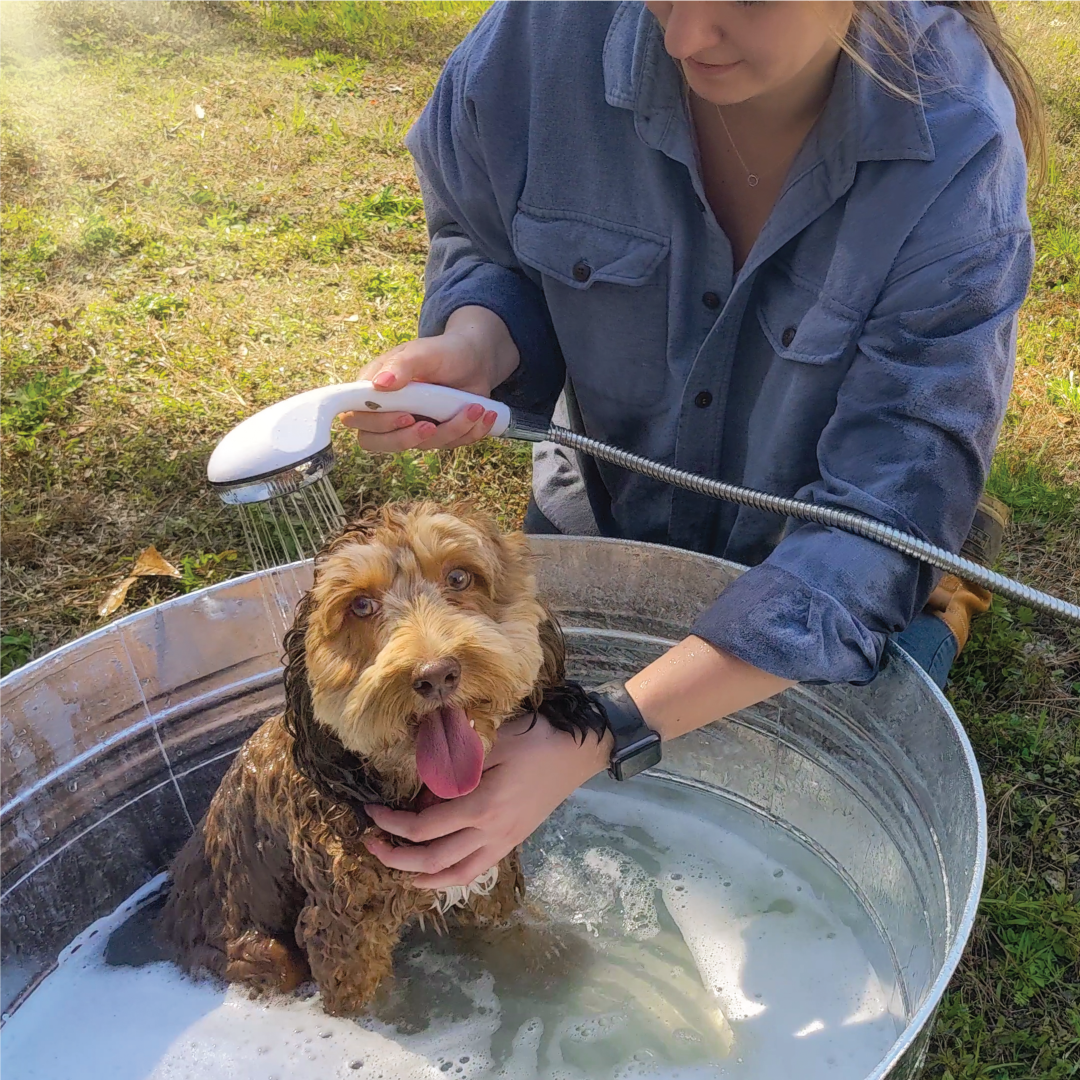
(878, 23)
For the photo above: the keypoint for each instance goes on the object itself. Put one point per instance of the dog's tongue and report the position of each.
(449, 754)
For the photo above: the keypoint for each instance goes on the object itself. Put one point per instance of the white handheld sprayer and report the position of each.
(281, 457)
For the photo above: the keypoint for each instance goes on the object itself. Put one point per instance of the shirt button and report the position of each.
(582, 271)
(788, 336)
(711, 301)
(703, 400)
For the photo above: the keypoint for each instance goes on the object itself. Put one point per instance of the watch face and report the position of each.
(636, 759)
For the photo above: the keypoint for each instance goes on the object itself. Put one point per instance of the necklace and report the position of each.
(751, 178)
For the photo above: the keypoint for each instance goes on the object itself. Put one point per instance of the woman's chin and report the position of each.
(727, 85)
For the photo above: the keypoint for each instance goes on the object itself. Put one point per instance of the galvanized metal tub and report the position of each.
(114, 745)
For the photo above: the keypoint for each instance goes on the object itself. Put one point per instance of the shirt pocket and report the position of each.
(606, 287)
(805, 326)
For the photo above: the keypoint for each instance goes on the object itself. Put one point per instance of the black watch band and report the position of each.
(637, 746)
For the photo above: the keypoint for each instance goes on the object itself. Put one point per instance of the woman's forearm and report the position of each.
(690, 686)
(694, 683)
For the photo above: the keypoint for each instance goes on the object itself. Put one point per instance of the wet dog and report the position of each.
(421, 635)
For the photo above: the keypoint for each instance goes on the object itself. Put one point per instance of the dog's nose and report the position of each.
(437, 678)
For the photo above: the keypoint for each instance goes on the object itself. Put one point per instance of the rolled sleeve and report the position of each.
(910, 444)
(471, 260)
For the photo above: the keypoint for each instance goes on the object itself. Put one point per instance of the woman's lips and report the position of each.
(710, 69)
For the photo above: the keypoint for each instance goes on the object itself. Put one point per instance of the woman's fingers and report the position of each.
(463, 873)
(407, 438)
(378, 423)
(430, 858)
(436, 821)
(469, 425)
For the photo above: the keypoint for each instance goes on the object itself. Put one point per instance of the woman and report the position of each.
(779, 244)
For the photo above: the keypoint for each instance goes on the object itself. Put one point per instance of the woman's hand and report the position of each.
(475, 353)
(528, 774)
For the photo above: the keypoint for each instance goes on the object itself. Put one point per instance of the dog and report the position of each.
(421, 634)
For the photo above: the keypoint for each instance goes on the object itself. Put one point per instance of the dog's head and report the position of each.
(421, 634)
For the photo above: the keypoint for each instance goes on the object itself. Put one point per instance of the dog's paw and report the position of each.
(265, 963)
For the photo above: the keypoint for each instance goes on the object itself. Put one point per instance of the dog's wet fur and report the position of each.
(276, 887)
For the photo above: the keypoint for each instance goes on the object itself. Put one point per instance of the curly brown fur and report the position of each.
(276, 885)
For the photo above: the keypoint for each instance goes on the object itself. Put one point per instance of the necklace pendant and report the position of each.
(752, 179)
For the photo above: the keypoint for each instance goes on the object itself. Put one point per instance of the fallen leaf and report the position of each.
(178, 271)
(150, 563)
(115, 597)
(352, 318)
(146, 181)
(200, 112)
(1055, 879)
(109, 186)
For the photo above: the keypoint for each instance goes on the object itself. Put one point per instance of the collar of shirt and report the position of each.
(862, 120)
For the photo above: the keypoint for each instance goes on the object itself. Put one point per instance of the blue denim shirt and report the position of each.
(861, 358)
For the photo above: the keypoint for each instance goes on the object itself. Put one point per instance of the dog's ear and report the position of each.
(564, 704)
(318, 754)
(553, 646)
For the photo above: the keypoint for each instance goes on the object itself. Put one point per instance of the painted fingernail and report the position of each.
(404, 420)
(489, 418)
(425, 430)
(474, 412)
(384, 379)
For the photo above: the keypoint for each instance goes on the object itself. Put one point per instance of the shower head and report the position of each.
(286, 447)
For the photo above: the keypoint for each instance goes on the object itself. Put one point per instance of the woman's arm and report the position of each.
(910, 443)
(531, 771)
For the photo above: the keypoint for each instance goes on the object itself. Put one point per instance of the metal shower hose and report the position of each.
(823, 515)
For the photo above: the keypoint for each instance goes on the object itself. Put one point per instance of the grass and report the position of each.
(208, 206)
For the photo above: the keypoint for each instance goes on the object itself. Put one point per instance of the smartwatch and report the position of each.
(637, 746)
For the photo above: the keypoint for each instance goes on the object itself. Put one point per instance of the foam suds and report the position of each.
(670, 945)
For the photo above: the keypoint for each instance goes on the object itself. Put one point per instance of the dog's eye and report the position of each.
(363, 607)
(459, 579)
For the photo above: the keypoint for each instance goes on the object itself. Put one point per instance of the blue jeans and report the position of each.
(927, 640)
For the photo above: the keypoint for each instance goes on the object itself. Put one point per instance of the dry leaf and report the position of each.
(178, 271)
(146, 181)
(116, 596)
(352, 318)
(150, 563)
(200, 112)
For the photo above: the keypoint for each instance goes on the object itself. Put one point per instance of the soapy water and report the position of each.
(670, 933)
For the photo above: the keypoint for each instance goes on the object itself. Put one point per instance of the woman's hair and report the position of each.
(879, 23)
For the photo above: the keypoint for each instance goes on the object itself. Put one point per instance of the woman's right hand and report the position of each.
(475, 353)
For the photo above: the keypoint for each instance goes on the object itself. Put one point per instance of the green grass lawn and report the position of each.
(208, 206)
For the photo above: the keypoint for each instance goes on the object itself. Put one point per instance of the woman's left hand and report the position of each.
(527, 775)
